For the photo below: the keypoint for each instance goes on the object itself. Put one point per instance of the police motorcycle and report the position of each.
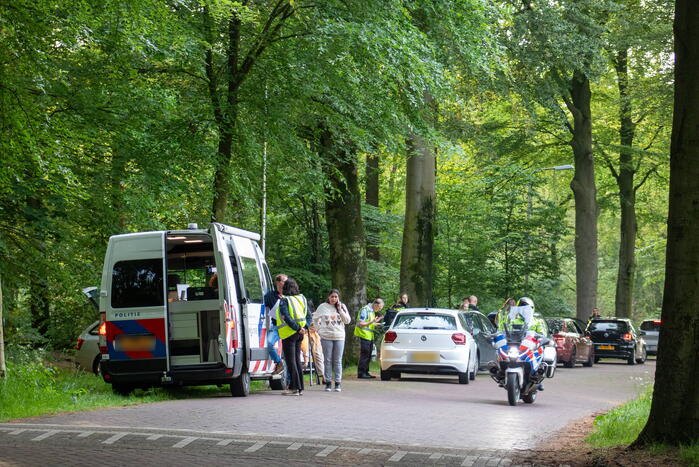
(524, 357)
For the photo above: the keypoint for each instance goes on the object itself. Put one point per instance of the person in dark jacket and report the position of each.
(401, 304)
(294, 316)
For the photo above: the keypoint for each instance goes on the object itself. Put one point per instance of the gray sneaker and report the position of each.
(338, 387)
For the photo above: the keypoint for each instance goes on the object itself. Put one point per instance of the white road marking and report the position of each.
(469, 461)
(154, 437)
(256, 447)
(45, 435)
(397, 456)
(113, 439)
(224, 442)
(295, 447)
(184, 442)
(17, 432)
(364, 451)
(435, 456)
(85, 434)
(326, 451)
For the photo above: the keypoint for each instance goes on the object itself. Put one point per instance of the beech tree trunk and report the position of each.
(343, 215)
(585, 194)
(3, 367)
(372, 197)
(627, 194)
(418, 230)
(674, 414)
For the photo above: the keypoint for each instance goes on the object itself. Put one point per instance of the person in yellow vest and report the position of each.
(365, 329)
(293, 318)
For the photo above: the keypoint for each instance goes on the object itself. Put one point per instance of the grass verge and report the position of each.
(34, 388)
(622, 425)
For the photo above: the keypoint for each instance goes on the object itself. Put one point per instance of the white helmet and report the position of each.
(526, 301)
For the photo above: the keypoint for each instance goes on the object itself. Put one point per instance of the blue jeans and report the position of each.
(272, 339)
(332, 351)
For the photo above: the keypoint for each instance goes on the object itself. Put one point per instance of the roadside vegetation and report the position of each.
(36, 387)
(622, 425)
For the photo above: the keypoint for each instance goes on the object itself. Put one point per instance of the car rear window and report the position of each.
(650, 326)
(555, 325)
(425, 322)
(609, 326)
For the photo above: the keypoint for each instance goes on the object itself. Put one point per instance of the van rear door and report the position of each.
(133, 297)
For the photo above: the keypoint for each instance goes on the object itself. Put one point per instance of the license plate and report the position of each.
(424, 357)
(134, 343)
(606, 347)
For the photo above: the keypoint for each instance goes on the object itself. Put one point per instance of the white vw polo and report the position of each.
(428, 341)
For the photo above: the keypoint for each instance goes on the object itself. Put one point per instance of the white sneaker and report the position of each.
(338, 387)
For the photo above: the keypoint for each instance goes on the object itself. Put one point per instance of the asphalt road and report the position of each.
(416, 419)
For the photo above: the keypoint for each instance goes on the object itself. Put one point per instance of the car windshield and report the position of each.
(608, 326)
(650, 326)
(425, 321)
(555, 325)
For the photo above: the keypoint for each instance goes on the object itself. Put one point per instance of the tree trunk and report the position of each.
(674, 414)
(343, 215)
(418, 230)
(585, 192)
(117, 173)
(372, 197)
(627, 196)
(3, 367)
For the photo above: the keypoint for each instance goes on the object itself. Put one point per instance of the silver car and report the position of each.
(483, 331)
(428, 341)
(650, 330)
(87, 353)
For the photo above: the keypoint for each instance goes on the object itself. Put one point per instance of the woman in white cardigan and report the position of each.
(329, 320)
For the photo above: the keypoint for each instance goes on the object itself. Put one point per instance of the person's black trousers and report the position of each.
(292, 356)
(365, 347)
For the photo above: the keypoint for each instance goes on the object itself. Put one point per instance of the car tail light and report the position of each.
(390, 336)
(79, 343)
(627, 337)
(102, 332)
(458, 338)
(657, 321)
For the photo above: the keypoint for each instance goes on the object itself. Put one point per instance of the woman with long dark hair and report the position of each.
(293, 319)
(329, 320)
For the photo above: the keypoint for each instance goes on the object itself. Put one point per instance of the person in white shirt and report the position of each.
(329, 320)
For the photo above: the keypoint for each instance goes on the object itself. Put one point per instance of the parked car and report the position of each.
(573, 344)
(87, 349)
(617, 338)
(650, 330)
(428, 341)
(482, 330)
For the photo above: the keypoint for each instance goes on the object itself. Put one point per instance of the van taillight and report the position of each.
(79, 343)
(458, 338)
(390, 336)
(102, 333)
(627, 337)
(103, 329)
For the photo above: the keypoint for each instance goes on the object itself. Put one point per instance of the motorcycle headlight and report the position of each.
(513, 352)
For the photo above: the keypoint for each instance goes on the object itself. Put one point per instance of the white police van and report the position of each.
(185, 307)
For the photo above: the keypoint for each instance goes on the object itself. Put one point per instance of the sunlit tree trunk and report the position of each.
(674, 414)
(627, 194)
(418, 231)
(585, 194)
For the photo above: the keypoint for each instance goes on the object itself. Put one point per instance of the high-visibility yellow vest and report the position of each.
(366, 331)
(297, 310)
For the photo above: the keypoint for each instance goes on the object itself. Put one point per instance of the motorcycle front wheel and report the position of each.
(512, 386)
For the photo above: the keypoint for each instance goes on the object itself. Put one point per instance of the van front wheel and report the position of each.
(240, 387)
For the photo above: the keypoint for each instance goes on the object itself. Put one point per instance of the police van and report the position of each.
(185, 307)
